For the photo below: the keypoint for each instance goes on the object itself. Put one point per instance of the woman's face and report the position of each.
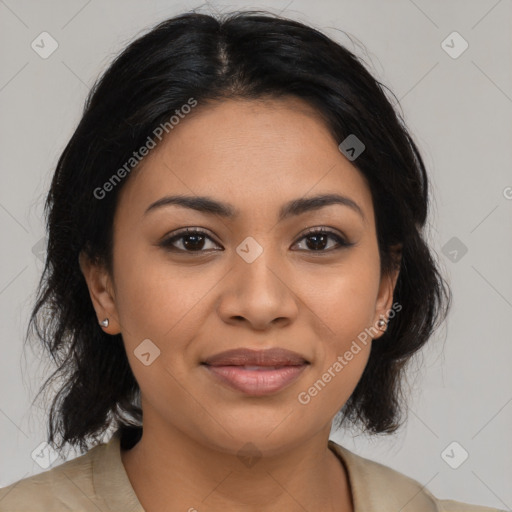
(251, 280)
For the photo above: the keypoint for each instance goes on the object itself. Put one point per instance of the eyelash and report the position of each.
(168, 242)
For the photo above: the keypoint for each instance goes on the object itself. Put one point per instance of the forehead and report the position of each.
(257, 153)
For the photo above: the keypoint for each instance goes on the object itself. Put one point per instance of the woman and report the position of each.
(235, 260)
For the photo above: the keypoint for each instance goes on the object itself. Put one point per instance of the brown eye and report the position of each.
(189, 240)
(196, 241)
(317, 240)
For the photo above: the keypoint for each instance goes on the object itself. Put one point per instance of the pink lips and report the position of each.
(257, 372)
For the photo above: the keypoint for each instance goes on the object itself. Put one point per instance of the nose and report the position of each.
(259, 294)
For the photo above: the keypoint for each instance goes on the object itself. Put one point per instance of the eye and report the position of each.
(188, 240)
(317, 240)
(196, 240)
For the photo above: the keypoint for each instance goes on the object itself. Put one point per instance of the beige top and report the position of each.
(97, 481)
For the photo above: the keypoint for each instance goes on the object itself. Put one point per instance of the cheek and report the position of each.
(344, 302)
(158, 302)
(154, 298)
(344, 298)
(347, 309)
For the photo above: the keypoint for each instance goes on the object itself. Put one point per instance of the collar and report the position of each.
(111, 480)
(377, 487)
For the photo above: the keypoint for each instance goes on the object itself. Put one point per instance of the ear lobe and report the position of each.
(101, 292)
(385, 297)
(387, 285)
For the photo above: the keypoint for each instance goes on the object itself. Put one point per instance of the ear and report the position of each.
(101, 292)
(387, 285)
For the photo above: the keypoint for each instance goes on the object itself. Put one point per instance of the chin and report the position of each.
(262, 438)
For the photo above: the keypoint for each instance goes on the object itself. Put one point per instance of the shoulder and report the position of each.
(69, 486)
(378, 487)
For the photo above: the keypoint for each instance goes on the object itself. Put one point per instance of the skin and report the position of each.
(255, 155)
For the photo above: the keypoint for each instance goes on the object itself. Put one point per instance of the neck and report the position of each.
(171, 471)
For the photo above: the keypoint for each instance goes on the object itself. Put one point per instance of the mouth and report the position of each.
(256, 372)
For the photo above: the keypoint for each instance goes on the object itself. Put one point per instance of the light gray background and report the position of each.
(459, 111)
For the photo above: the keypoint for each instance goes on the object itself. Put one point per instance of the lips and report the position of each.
(256, 372)
(276, 357)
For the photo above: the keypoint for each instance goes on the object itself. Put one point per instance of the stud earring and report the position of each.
(381, 324)
(104, 323)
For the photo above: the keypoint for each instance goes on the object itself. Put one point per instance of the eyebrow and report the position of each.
(295, 207)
